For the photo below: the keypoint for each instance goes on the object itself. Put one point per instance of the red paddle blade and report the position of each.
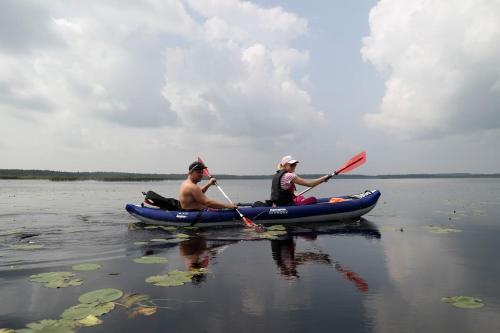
(353, 163)
(250, 224)
(206, 172)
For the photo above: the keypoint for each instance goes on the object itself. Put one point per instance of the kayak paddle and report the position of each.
(353, 163)
(248, 223)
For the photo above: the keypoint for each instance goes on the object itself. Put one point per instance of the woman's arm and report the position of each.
(309, 182)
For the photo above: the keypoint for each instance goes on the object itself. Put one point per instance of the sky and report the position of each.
(149, 86)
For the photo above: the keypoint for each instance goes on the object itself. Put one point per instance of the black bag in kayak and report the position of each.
(154, 199)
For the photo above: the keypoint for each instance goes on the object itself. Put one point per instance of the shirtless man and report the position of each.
(192, 197)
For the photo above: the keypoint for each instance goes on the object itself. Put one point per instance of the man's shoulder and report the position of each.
(188, 186)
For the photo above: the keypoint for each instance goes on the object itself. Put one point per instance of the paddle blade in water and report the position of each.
(353, 163)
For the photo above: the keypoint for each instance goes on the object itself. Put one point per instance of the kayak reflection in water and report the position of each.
(288, 260)
(197, 253)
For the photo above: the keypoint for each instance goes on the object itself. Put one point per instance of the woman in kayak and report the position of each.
(283, 184)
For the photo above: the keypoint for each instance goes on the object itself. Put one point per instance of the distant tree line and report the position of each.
(124, 176)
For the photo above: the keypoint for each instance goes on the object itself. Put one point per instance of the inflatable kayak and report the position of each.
(326, 209)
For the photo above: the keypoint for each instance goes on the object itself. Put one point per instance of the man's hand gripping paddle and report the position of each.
(353, 163)
(248, 223)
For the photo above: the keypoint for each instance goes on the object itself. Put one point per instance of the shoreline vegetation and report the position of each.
(126, 176)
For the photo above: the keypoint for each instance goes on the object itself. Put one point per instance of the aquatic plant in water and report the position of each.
(93, 304)
(82, 310)
(50, 326)
(86, 267)
(159, 240)
(464, 302)
(182, 236)
(168, 228)
(277, 227)
(151, 260)
(56, 279)
(134, 302)
(90, 320)
(171, 279)
(101, 295)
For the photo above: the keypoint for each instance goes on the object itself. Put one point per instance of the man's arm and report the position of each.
(207, 185)
(201, 198)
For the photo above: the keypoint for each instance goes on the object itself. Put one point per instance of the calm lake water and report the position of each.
(384, 273)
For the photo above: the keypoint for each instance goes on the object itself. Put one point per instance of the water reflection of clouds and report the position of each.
(423, 267)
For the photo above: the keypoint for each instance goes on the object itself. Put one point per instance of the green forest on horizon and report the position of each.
(126, 176)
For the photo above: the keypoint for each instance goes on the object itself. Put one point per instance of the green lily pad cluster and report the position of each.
(150, 227)
(441, 230)
(190, 228)
(50, 326)
(182, 236)
(159, 240)
(277, 227)
(86, 267)
(151, 260)
(168, 228)
(464, 302)
(92, 305)
(166, 241)
(272, 234)
(171, 279)
(56, 279)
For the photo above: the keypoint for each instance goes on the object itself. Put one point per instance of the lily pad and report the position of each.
(50, 326)
(151, 227)
(140, 243)
(190, 228)
(169, 228)
(159, 240)
(86, 267)
(83, 310)
(441, 230)
(464, 302)
(90, 320)
(272, 234)
(6, 330)
(171, 279)
(182, 236)
(277, 227)
(56, 279)
(101, 296)
(150, 260)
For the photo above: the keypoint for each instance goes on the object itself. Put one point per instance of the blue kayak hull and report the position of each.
(352, 208)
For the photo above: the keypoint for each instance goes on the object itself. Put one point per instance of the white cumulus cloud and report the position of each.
(441, 61)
